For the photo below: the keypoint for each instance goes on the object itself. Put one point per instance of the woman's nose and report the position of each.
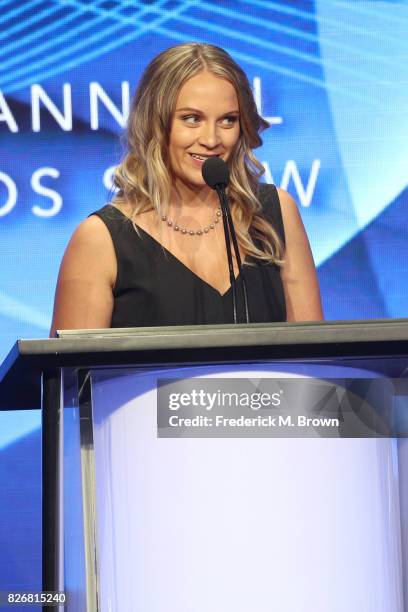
(209, 135)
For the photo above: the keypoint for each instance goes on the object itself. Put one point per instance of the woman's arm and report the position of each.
(83, 298)
(302, 293)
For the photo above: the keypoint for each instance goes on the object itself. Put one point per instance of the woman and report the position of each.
(157, 255)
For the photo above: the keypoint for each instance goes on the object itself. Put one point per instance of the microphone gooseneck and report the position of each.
(216, 175)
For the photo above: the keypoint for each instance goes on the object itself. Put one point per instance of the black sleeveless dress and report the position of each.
(153, 287)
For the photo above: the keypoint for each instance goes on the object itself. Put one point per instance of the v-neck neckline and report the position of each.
(181, 263)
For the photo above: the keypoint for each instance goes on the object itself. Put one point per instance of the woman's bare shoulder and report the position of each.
(93, 228)
(90, 250)
(299, 277)
(286, 200)
(292, 220)
(87, 275)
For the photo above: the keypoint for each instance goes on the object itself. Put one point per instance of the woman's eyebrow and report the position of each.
(196, 110)
(188, 108)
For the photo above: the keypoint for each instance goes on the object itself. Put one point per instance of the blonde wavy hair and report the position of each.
(144, 177)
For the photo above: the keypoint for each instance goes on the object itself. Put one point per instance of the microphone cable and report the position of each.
(225, 207)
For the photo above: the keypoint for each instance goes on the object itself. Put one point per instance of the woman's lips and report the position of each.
(198, 161)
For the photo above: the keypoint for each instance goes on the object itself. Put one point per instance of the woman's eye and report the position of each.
(230, 120)
(191, 118)
(194, 119)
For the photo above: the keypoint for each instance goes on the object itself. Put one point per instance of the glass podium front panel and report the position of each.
(229, 524)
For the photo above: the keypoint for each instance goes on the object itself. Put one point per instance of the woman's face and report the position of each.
(205, 123)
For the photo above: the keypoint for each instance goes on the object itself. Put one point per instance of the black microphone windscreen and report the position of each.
(215, 172)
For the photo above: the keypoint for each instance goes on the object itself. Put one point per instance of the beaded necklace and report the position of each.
(186, 230)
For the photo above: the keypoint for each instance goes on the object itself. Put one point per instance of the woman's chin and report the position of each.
(191, 182)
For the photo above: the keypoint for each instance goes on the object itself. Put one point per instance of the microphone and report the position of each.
(216, 175)
(215, 172)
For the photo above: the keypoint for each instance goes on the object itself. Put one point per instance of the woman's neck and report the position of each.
(188, 198)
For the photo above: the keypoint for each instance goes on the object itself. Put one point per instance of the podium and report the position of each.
(136, 517)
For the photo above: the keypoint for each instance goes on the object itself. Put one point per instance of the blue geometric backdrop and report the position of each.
(330, 75)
